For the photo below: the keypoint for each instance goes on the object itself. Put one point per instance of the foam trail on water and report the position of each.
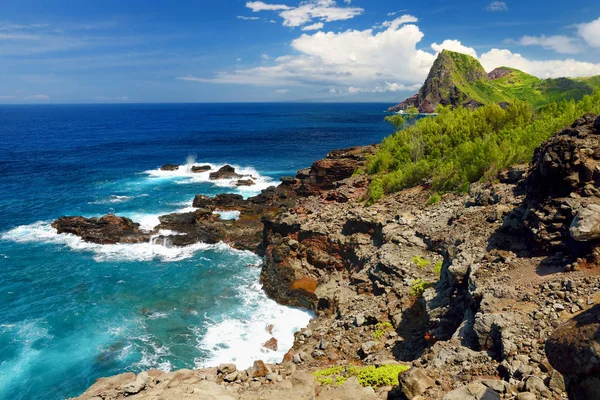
(184, 175)
(241, 340)
(43, 232)
(228, 215)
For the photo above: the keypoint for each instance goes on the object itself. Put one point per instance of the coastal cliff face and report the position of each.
(487, 295)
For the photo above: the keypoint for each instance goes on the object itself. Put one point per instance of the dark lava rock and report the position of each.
(169, 167)
(109, 229)
(200, 168)
(225, 172)
(574, 349)
(245, 182)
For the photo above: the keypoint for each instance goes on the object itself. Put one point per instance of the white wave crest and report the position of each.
(43, 232)
(116, 199)
(228, 215)
(241, 341)
(184, 175)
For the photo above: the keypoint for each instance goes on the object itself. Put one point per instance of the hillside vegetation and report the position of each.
(461, 146)
(459, 80)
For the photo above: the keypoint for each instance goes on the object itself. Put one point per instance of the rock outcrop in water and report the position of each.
(492, 294)
(108, 229)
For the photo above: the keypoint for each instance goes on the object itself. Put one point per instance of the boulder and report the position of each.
(586, 224)
(225, 172)
(169, 167)
(200, 168)
(473, 391)
(414, 382)
(271, 344)
(573, 349)
(258, 369)
(226, 368)
(245, 182)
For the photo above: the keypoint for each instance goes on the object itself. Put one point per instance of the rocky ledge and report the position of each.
(492, 294)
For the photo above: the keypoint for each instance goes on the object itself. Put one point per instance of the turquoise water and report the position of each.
(70, 311)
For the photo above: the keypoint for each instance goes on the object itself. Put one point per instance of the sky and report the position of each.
(133, 51)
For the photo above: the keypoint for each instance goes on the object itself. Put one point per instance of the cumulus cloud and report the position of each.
(386, 59)
(308, 11)
(558, 43)
(313, 27)
(257, 6)
(542, 69)
(497, 6)
(454, 45)
(364, 59)
(590, 32)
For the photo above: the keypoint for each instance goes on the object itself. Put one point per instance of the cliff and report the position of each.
(457, 79)
(486, 295)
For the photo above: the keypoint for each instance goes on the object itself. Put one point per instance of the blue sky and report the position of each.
(281, 50)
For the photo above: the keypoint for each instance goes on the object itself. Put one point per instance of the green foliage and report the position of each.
(420, 262)
(386, 375)
(460, 146)
(381, 329)
(418, 287)
(434, 199)
(437, 268)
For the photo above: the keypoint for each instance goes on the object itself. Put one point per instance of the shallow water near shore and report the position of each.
(70, 311)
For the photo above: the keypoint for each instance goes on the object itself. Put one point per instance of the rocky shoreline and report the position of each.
(493, 294)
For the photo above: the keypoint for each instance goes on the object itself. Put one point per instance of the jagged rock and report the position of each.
(225, 172)
(109, 229)
(169, 167)
(245, 182)
(226, 368)
(586, 224)
(138, 385)
(557, 382)
(414, 382)
(258, 369)
(368, 348)
(200, 168)
(536, 386)
(473, 391)
(271, 344)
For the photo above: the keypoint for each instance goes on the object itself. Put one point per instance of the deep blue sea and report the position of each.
(71, 312)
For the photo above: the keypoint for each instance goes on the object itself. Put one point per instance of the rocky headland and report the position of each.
(492, 294)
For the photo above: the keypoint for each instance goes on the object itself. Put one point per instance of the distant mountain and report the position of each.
(459, 80)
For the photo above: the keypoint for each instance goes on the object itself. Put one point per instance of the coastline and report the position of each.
(469, 292)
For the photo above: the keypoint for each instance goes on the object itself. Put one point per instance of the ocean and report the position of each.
(72, 312)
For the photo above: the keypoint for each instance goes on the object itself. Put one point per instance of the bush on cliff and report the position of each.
(385, 375)
(461, 146)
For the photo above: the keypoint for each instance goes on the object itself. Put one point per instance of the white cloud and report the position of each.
(590, 32)
(542, 69)
(313, 27)
(454, 45)
(307, 11)
(363, 59)
(282, 91)
(257, 6)
(558, 43)
(238, 59)
(496, 6)
(41, 97)
(247, 18)
(265, 57)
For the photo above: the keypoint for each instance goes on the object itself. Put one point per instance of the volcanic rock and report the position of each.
(200, 168)
(108, 229)
(225, 172)
(169, 167)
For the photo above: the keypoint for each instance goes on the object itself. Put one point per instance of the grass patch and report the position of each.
(437, 268)
(418, 287)
(420, 262)
(386, 375)
(436, 198)
(381, 329)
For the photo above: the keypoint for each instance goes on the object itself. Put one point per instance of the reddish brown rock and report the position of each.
(271, 344)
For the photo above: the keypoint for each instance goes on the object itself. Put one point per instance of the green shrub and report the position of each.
(460, 146)
(381, 329)
(437, 268)
(418, 287)
(434, 199)
(386, 375)
(420, 262)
